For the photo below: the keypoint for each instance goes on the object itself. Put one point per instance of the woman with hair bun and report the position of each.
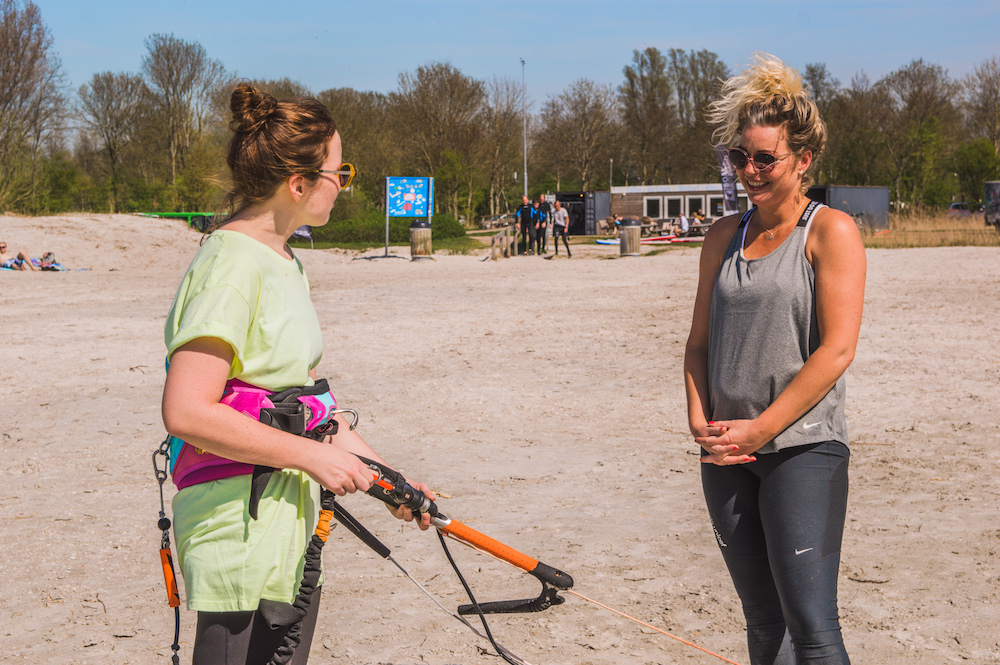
(776, 321)
(241, 326)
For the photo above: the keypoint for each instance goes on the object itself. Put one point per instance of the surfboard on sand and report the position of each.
(658, 240)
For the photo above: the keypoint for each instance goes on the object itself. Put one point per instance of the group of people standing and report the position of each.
(534, 219)
(775, 325)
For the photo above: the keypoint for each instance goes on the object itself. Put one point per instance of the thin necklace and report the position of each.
(770, 232)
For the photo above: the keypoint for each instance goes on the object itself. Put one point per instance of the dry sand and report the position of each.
(544, 399)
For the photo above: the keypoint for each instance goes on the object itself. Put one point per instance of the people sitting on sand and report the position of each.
(19, 261)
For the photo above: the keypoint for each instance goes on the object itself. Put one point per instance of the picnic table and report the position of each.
(698, 228)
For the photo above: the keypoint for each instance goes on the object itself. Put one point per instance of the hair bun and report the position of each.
(251, 108)
(774, 77)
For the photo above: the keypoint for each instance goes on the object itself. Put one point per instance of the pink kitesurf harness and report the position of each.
(302, 410)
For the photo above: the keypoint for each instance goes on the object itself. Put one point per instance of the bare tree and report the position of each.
(550, 138)
(583, 118)
(855, 119)
(441, 110)
(696, 78)
(31, 99)
(371, 141)
(982, 101)
(284, 88)
(647, 112)
(823, 87)
(182, 80)
(824, 90)
(500, 143)
(112, 107)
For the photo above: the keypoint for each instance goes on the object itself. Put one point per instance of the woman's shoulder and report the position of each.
(829, 224)
(722, 231)
(226, 258)
(726, 225)
(247, 250)
(834, 231)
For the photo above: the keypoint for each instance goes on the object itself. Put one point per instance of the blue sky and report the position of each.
(366, 44)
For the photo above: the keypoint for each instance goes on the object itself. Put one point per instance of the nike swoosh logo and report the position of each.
(811, 425)
(808, 549)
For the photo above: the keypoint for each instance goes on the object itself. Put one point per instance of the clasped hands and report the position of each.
(729, 442)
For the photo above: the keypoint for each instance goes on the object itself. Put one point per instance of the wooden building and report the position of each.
(667, 201)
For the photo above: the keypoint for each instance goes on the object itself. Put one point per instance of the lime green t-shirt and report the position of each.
(246, 294)
(243, 292)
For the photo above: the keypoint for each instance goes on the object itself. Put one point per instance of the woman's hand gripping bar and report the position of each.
(390, 487)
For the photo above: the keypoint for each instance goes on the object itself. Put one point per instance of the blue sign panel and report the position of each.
(408, 197)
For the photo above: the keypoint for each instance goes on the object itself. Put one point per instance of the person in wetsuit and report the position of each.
(527, 217)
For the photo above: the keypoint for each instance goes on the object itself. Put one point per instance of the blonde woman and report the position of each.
(776, 322)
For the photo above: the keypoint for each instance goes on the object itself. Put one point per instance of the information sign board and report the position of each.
(409, 196)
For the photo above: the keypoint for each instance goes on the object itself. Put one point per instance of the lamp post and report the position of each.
(611, 173)
(524, 134)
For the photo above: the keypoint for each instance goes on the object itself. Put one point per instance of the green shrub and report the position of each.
(446, 226)
(367, 225)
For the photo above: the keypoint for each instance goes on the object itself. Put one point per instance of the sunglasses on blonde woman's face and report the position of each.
(346, 173)
(762, 161)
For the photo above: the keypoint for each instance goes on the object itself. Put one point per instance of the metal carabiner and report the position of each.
(354, 422)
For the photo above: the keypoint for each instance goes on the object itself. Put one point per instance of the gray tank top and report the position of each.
(762, 328)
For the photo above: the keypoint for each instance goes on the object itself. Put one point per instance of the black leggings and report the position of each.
(245, 638)
(560, 231)
(528, 235)
(779, 522)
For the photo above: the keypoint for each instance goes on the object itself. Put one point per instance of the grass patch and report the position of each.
(464, 245)
(681, 246)
(932, 230)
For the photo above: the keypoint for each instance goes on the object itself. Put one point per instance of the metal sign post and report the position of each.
(407, 197)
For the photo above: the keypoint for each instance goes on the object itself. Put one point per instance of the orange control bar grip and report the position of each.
(167, 561)
(486, 544)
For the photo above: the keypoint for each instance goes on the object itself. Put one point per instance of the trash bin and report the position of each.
(631, 231)
(420, 241)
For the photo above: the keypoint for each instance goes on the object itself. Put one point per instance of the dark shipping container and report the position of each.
(869, 206)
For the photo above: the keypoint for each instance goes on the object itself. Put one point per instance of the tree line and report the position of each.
(153, 140)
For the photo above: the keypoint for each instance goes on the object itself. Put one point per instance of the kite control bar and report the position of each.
(390, 487)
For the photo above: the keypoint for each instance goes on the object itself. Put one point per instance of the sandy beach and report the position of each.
(543, 401)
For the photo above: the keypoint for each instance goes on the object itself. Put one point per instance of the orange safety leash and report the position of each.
(170, 577)
(166, 558)
(659, 630)
(323, 524)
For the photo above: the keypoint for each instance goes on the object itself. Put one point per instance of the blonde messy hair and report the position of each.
(769, 93)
